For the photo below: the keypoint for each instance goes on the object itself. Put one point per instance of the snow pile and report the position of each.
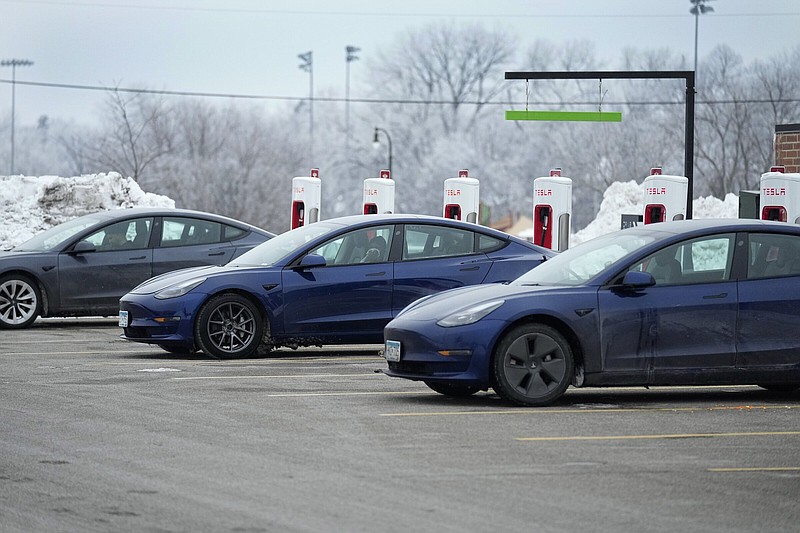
(30, 205)
(628, 198)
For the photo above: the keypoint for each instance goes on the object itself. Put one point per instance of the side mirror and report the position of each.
(83, 247)
(638, 280)
(312, 260)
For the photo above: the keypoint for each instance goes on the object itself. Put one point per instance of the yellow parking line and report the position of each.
(667, 436)
(758, 469)
(546, 411)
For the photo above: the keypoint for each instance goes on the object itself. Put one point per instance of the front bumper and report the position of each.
(421, 360)
(175, 324)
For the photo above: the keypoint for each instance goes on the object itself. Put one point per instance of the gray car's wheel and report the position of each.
(229, 325)
(20, 302)
(454, 391)
(532, 365)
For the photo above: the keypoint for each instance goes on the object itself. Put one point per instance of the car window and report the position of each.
(701, 260)
(231, 233)
(58, 234)
(578, 265)
(365, 245)
(487, 243)
(426, 241)
(773, 255)
(183, 231)
(126, 235)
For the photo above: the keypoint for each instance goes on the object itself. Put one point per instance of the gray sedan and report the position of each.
(82, 267)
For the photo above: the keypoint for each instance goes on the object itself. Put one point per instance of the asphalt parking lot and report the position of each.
(97, 434)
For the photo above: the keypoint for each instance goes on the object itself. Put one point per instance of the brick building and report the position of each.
(787, 146)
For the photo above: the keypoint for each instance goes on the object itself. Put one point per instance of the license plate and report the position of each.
(392, 351)
(123, 319)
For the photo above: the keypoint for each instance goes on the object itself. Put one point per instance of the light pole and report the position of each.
(376, 143)
(14, 63)
(308, 66)
(699, 7)
(350, 56)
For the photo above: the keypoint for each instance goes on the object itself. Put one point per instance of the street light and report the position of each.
(376, 143)
(308, 66)
(699, 8)
(14, 63)
(350, 56)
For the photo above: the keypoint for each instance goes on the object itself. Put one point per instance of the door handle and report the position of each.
(215, 253)
(137, 258)
(715, 296)
(374, 274)
(470, 269)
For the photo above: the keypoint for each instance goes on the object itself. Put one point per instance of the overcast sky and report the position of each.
(250, 47)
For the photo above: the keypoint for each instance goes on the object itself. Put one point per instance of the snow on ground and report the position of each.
(29, 205)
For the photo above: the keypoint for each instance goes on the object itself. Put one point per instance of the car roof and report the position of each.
(130, 212)
(703, 225)
(404, 218)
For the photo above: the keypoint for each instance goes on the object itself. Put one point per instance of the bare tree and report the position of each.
(136, 132)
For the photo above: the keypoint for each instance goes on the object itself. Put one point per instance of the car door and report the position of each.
(768, 332)
(435, 258)
(95, 281)
(187, 242)
(348, 298)
(686, 321)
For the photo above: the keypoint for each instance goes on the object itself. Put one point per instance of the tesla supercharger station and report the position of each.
(306, 199)
(379, 194)
(552, 211)
(664, 197)
(780, 196)
(462, 197)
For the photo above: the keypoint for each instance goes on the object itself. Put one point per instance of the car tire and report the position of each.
(20, 302)
(532, 365)
(229, 325)
(452, 390)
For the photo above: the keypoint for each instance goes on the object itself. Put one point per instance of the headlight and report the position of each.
(179, 289)
(470, 315)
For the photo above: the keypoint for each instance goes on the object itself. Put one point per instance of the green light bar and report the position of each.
(565, 116)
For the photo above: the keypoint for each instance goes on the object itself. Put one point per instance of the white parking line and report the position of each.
(278, 376)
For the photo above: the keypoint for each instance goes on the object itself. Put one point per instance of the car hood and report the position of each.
(445, 303)
(163, 281)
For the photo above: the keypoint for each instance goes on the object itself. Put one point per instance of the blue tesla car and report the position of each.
(331, 282)
(693, 302)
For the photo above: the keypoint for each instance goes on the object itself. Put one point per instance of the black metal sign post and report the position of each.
(688, 75)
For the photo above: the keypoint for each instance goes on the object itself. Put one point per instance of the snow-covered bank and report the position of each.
(31, 204)
(628, 198)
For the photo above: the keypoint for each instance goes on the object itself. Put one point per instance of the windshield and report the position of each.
(578, 265)
(275, 249)
(54, 236)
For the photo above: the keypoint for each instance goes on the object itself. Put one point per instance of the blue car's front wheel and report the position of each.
(532, 365)
(229, 325)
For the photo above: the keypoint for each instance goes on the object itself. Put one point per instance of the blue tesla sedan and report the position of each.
(693, 302)
(331, 282)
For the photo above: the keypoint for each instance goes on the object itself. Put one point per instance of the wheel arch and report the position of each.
(265, 315)
(31, 276)
(560, 326)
